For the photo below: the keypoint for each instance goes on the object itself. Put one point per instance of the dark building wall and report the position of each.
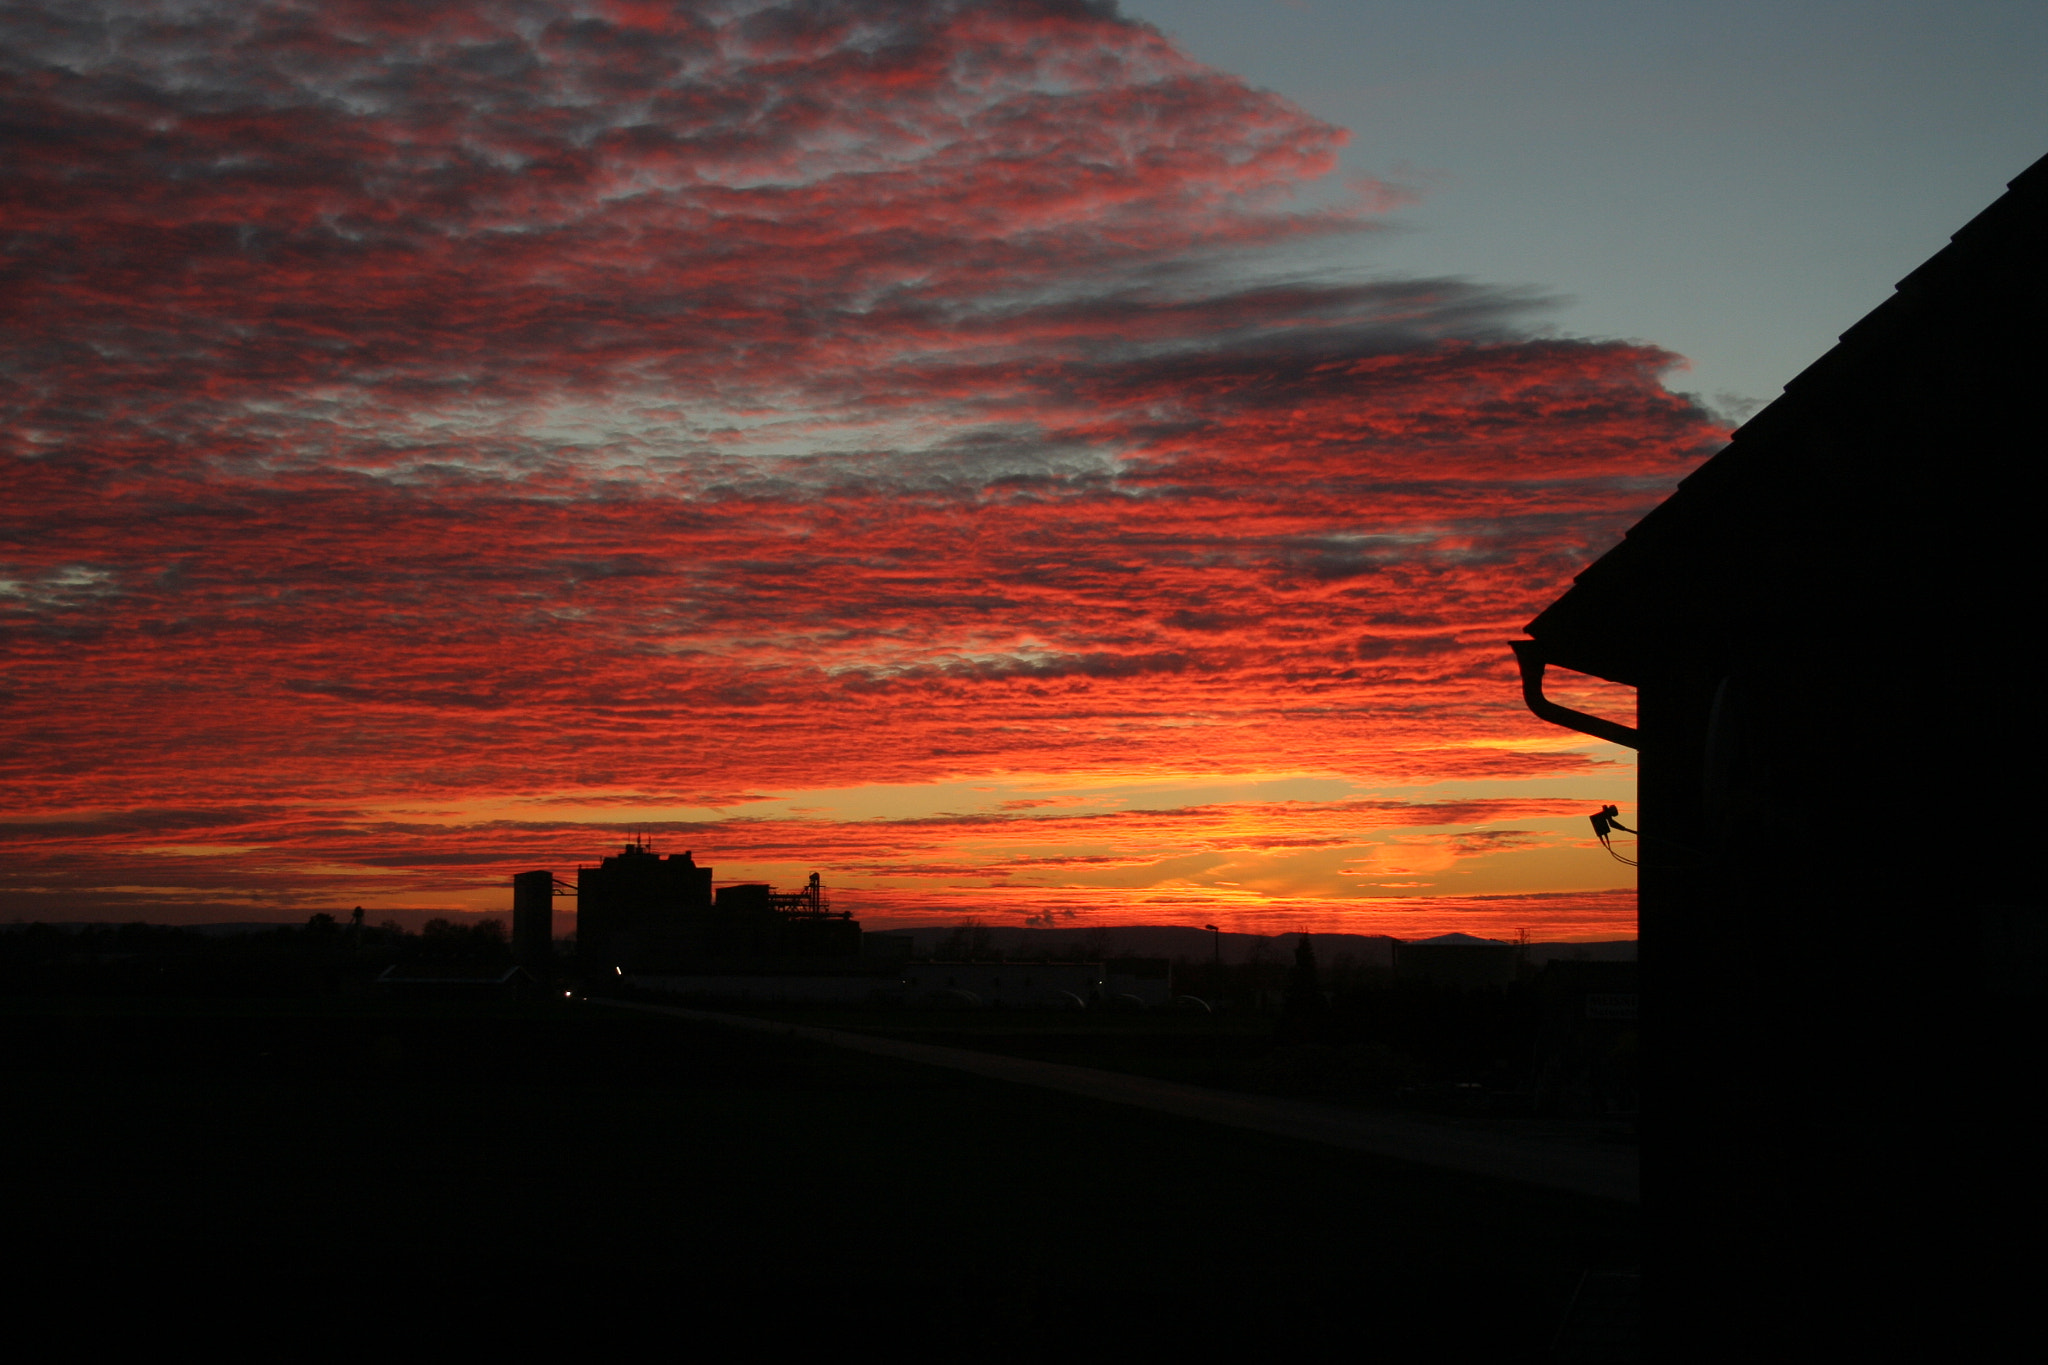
(742, 897)
(1830, 623)
(1830, 629)
(635, 901)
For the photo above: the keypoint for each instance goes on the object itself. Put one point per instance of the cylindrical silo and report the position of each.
(533, 919)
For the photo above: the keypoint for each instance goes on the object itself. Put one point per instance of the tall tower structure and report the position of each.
(533, 919)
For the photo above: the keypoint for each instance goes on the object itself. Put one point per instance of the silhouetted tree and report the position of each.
(446, 940)
(970, 941)
(1304, 1014)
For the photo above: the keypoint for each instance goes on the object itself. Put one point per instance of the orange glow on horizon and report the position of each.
(948, 482)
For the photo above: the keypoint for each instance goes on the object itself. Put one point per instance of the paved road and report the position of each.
(1603, 1172)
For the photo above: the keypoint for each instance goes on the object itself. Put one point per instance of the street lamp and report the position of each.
(1216, 937)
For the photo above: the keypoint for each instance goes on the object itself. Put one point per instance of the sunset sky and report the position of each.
(1022, 460)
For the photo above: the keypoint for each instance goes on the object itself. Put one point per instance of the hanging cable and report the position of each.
(1604, 823)
(1609, 819)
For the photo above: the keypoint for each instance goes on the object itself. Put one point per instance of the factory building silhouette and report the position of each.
(657, 923)
(638, 911)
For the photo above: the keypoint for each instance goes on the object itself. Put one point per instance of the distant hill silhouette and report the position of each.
(1176, 940)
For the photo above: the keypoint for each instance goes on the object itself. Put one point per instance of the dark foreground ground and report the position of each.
(580, 1171)
(1236, 1052)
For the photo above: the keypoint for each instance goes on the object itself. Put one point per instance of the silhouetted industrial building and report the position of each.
(533, 919)
(640, 911)
(1829, 628)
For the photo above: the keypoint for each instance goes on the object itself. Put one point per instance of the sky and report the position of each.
(1738, 180)
(1028, 461)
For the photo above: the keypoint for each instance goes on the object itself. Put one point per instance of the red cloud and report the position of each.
(449, 401)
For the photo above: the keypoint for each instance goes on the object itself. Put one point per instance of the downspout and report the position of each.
(1529, 654)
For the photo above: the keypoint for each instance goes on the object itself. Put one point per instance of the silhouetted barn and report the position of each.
(1828, 628)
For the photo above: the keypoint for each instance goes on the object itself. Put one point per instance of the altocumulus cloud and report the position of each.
(463, 401)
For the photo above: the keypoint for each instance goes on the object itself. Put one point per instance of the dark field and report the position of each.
(1227, 1051)
(583, 1170)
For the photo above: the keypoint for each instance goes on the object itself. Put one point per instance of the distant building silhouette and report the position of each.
(1830, 629)
(639, 911)
(533, 919)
